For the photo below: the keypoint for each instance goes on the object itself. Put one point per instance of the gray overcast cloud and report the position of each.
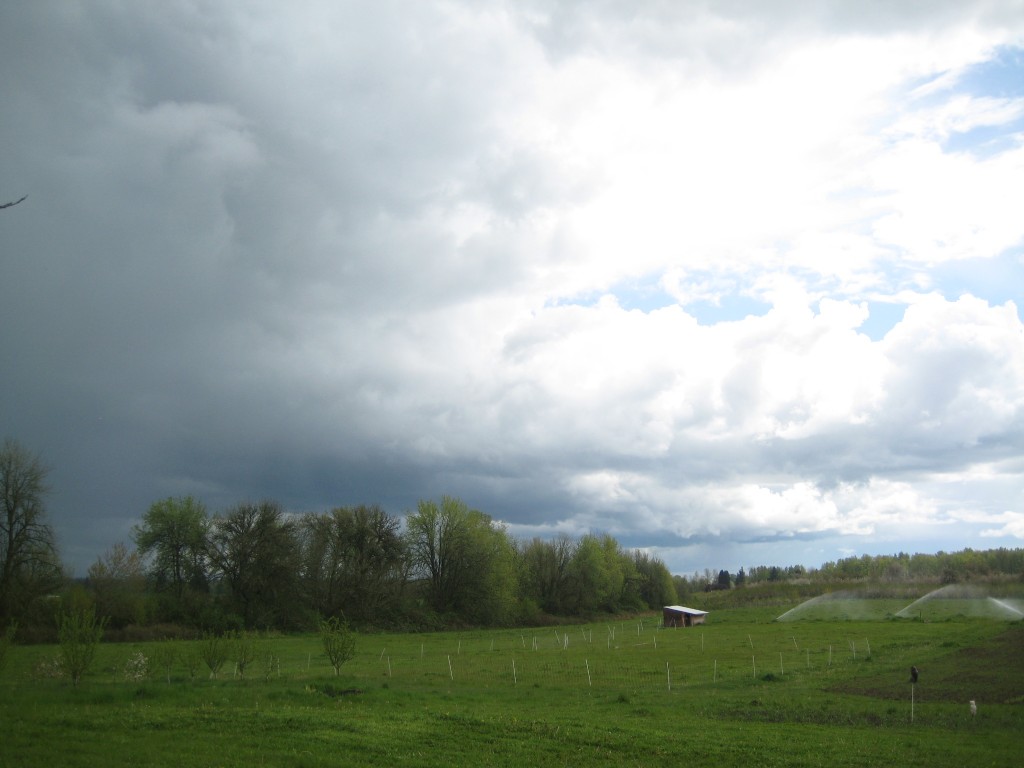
(735, 285)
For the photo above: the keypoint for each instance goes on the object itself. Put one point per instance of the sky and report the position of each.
(738, 283)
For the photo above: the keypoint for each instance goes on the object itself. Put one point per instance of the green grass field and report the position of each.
(742, 690)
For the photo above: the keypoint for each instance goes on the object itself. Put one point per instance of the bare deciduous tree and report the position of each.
(28, 559)
(253, 549)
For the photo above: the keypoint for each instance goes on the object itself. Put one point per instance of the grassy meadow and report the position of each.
(828, 686)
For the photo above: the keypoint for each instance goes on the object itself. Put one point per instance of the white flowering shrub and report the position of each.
(51, 667)
(137, 667)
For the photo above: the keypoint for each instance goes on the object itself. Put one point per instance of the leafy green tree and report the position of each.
(656, 586)
(594, 586)
(724, 580)
(684, 588)
(625, 578)
(354, 562)
(79, 632)
(741, 577)
(494, 598)
(466, 560)
(173, 535)
(254, 549)
(545, 573)
(338, 640)
(29, 567)
(604, 577)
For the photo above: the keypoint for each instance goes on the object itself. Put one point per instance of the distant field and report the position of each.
(743, 690)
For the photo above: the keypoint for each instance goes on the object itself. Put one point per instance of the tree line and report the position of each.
(445, 564)
(938, 568)
(256, 565)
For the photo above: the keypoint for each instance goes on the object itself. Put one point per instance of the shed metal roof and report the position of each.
(684, 609)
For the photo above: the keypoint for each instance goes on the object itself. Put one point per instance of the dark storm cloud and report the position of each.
(326, 254)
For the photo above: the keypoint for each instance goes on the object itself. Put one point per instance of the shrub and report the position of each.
(137, 667)
(164, 655)
(49, 668)
(245, 651)
(79, 632)
(192, 660)
(213, 651)
(271, 664)
(339, 642)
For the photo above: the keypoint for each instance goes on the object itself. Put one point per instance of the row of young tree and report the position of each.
(255, 565)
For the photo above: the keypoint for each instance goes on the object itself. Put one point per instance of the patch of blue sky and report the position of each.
(645, 294)
(727, 308)
(882, 318)
(1001, 76)
(648, 295)
(987, 140)
(996, 280)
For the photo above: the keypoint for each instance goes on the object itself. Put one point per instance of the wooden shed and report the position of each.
(681, 616)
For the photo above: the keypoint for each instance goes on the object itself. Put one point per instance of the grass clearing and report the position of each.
(741, 690)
